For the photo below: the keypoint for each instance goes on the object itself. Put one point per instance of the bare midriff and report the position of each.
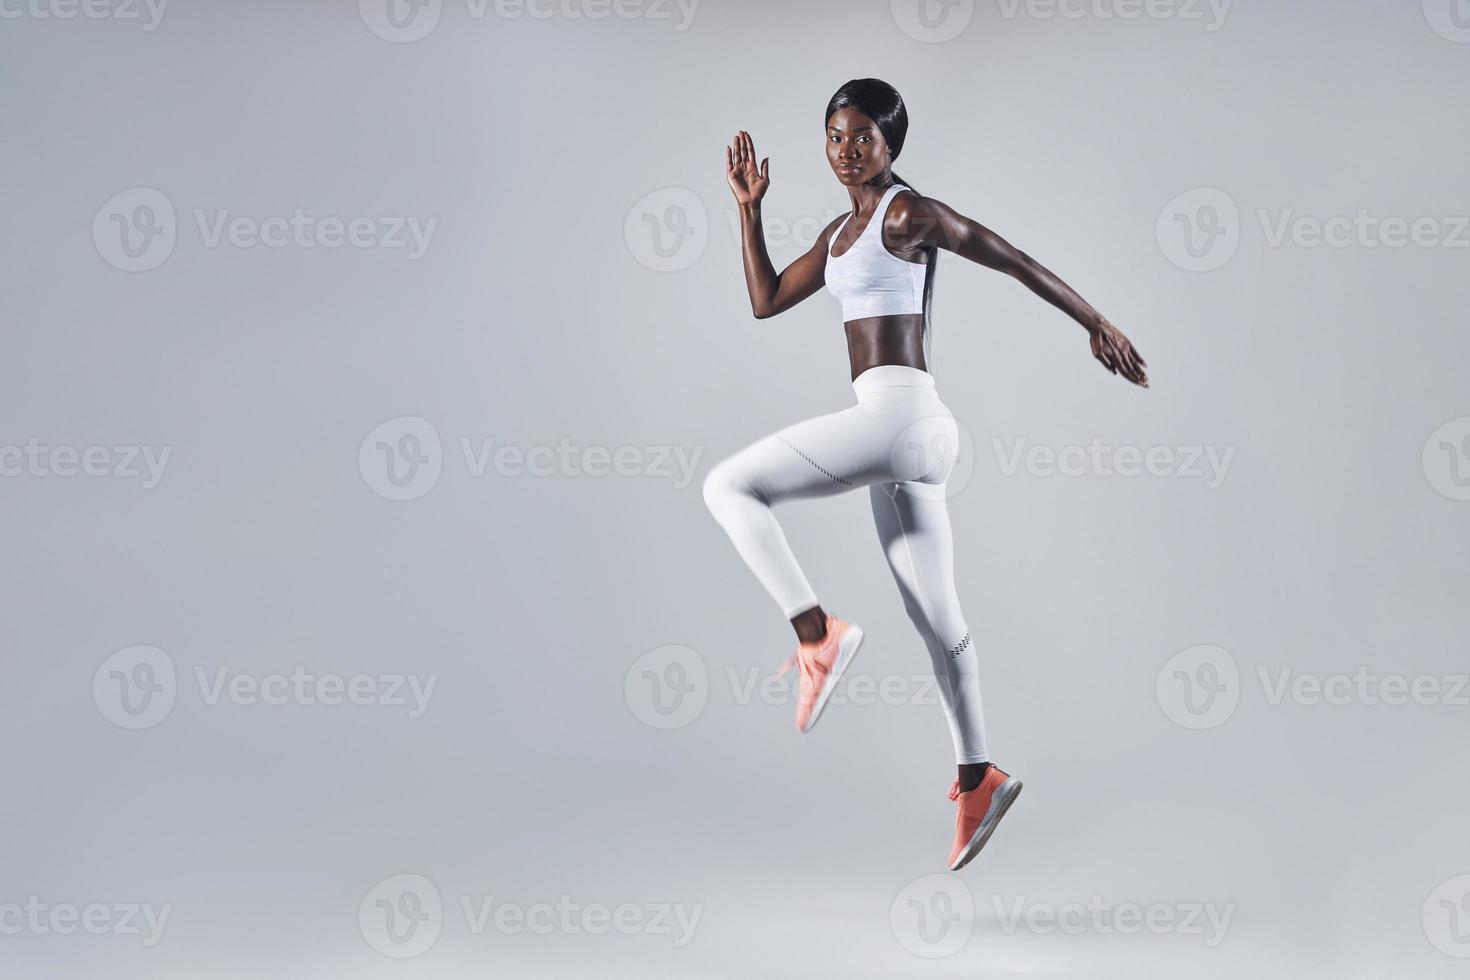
(876, 340)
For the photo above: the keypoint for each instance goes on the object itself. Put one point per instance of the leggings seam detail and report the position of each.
(829, 475)
(959, 647)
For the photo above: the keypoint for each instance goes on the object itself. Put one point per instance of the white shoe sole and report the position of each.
(1004, 796)
(846, 649)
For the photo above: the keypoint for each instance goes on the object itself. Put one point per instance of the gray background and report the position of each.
(538, 313)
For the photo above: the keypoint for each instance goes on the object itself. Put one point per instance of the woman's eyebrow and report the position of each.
(855, 129)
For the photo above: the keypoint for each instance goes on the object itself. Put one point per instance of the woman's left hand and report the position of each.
(1117, 354)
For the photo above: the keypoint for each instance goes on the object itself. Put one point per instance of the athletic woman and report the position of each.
(899, 439)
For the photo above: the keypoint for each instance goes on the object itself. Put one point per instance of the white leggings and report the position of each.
(899, 441)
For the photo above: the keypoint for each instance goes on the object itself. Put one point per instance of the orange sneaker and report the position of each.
(821, 666)
(979, 811)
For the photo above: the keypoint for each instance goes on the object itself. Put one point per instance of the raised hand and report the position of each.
(1117, 354)
(747, 181)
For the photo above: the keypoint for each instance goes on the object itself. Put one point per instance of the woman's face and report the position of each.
(855, 148)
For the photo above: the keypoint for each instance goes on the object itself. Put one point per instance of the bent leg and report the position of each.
(914, 529)
(820, 457)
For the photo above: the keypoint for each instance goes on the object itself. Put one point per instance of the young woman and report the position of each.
(899, 439)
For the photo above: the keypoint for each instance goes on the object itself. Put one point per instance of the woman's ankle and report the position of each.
(810, 625)
(971, 775)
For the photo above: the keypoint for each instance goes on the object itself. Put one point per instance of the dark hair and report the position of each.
(881, 103)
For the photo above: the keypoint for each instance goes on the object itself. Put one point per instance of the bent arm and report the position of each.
(772, 292)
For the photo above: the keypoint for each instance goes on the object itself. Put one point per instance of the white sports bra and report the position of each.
(867, 279)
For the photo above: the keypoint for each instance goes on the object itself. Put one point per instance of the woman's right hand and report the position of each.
(747, 181)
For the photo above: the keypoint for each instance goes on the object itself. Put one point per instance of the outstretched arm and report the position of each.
(924, 221)
(770, 292)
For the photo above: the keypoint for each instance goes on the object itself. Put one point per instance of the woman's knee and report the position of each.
(722, 487)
